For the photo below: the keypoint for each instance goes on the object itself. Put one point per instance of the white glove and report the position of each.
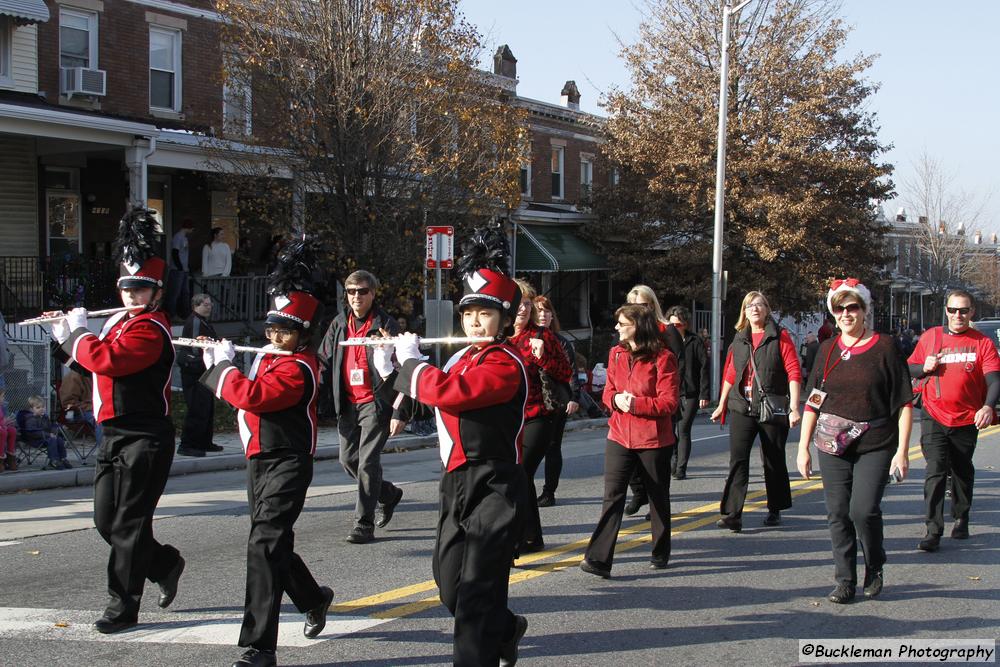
(408, 347)
(224, 351)
(208, 356)
(60, 331)
(76, 319)
(383, 360)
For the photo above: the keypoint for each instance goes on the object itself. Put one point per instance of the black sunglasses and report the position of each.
(360, 291)
(851, 308)
(962, 311)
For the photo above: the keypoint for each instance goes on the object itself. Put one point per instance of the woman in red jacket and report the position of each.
(642, 393)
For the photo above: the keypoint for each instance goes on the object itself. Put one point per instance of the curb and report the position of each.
(37, 480)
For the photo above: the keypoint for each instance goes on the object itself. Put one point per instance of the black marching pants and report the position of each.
(553, 457)
(537, 436)
(653, 466)
(853, 485)
(132, 465)
(743, 430)
(197, 431)
(947, 450)
(682, 452)
(276, 490)
(479, 524)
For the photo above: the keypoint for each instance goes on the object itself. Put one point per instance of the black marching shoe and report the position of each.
(188, 451)
(214, 448)
(842, 594)
(680, 475)
(734, 525)
(508, 649)
(960, 529)
(531, 547)
(383, 513)
(596, 569)
(930, 543)
(658, 564)
(773, 518)
(168, 587)
(874, 580)
(316, 618)
(546, 500)
(361, 534)
(633, 506)
(108, 626)
(255, 657)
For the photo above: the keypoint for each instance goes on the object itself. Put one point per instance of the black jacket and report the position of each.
(770, 368)
(694, 380)
(189, 358)
(331, 359)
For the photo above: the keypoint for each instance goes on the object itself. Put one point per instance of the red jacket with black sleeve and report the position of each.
(276, 402)
(130, 360)
(655, 385)
(553, 362)
(479, 399)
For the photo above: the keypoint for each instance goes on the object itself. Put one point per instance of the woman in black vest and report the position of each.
(775, 369)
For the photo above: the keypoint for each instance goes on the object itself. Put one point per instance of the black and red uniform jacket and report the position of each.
(276, 402)
(479, 399)
(130, 360)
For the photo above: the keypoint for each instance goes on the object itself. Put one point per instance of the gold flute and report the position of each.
(90, 313)
(446, 340)
(208, 342)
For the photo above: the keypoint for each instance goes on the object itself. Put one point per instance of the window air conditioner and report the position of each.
(83, 81)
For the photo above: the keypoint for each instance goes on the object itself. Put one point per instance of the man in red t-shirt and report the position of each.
(962, 371)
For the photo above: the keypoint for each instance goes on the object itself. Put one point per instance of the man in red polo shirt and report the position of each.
(962, 386)
(364, 418)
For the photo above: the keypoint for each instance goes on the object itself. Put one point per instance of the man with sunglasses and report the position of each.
(963, 384)
(364, 416)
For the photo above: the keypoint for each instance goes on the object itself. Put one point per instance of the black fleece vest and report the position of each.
(770, 368)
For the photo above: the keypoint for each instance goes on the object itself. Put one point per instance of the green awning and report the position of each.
(555, 248)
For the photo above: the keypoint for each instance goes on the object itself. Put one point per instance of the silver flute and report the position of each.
(90, 313)
(208, 342)
(446, 340)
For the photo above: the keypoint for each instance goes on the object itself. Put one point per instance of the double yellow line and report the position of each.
(570, 555)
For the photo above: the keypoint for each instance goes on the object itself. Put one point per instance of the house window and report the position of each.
(164, 69)
(526, 180)
(237, 102)
(586, 178)
(77, 38)
(558, 152)
(6, 37)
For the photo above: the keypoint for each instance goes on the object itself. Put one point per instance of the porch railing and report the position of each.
(234, 298)
(33, 284)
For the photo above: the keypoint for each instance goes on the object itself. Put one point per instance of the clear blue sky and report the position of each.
(937, 70)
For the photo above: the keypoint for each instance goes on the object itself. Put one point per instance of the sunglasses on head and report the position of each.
(851, 308)
(360, 291)
(961, 311)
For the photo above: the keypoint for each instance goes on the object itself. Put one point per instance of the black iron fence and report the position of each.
(29, 285)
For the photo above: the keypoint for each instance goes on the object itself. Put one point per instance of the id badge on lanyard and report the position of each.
(357, 377)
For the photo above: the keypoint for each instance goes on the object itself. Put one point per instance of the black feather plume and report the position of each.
(294, 271)
(137, 236)
(486, 248)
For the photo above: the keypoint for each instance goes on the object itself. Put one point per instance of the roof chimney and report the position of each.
(504, 63)
(977, 238)
(901, 215)
(960, 230)
(993, 238)
(570, 96)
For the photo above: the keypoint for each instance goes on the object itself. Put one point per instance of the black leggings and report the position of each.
(553, 457)
(537, 436)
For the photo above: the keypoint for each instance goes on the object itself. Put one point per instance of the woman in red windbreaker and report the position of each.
(642, 393)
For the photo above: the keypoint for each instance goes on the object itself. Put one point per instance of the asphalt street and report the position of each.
(733, 599)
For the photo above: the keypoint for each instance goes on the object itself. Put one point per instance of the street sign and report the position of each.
(440, 247)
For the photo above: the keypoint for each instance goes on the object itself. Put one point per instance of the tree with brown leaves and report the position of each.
(803, 171)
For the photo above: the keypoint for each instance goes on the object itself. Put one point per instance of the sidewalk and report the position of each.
(230, 458)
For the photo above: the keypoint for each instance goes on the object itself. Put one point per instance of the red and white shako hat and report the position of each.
(484, 261)
(295, 309)
(291, 286)
(849, 285)
(140, 264)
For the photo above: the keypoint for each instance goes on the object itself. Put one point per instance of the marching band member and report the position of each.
(276, 405)
(130, 360)
(479, 398)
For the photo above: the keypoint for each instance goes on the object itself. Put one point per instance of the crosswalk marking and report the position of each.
(170, 628)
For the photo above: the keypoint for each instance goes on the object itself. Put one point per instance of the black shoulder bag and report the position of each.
(773, 408)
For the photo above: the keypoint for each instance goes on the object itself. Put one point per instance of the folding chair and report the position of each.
(27, 453)
(76, 431)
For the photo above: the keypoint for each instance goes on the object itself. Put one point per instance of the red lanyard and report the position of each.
(827, 370)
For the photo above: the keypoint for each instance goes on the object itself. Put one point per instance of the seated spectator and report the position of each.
(38, 431)
(8, 437)
(76, 393)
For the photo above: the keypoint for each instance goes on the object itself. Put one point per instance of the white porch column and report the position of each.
(136, 157)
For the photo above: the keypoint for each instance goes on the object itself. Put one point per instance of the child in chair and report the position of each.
(39, 430)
